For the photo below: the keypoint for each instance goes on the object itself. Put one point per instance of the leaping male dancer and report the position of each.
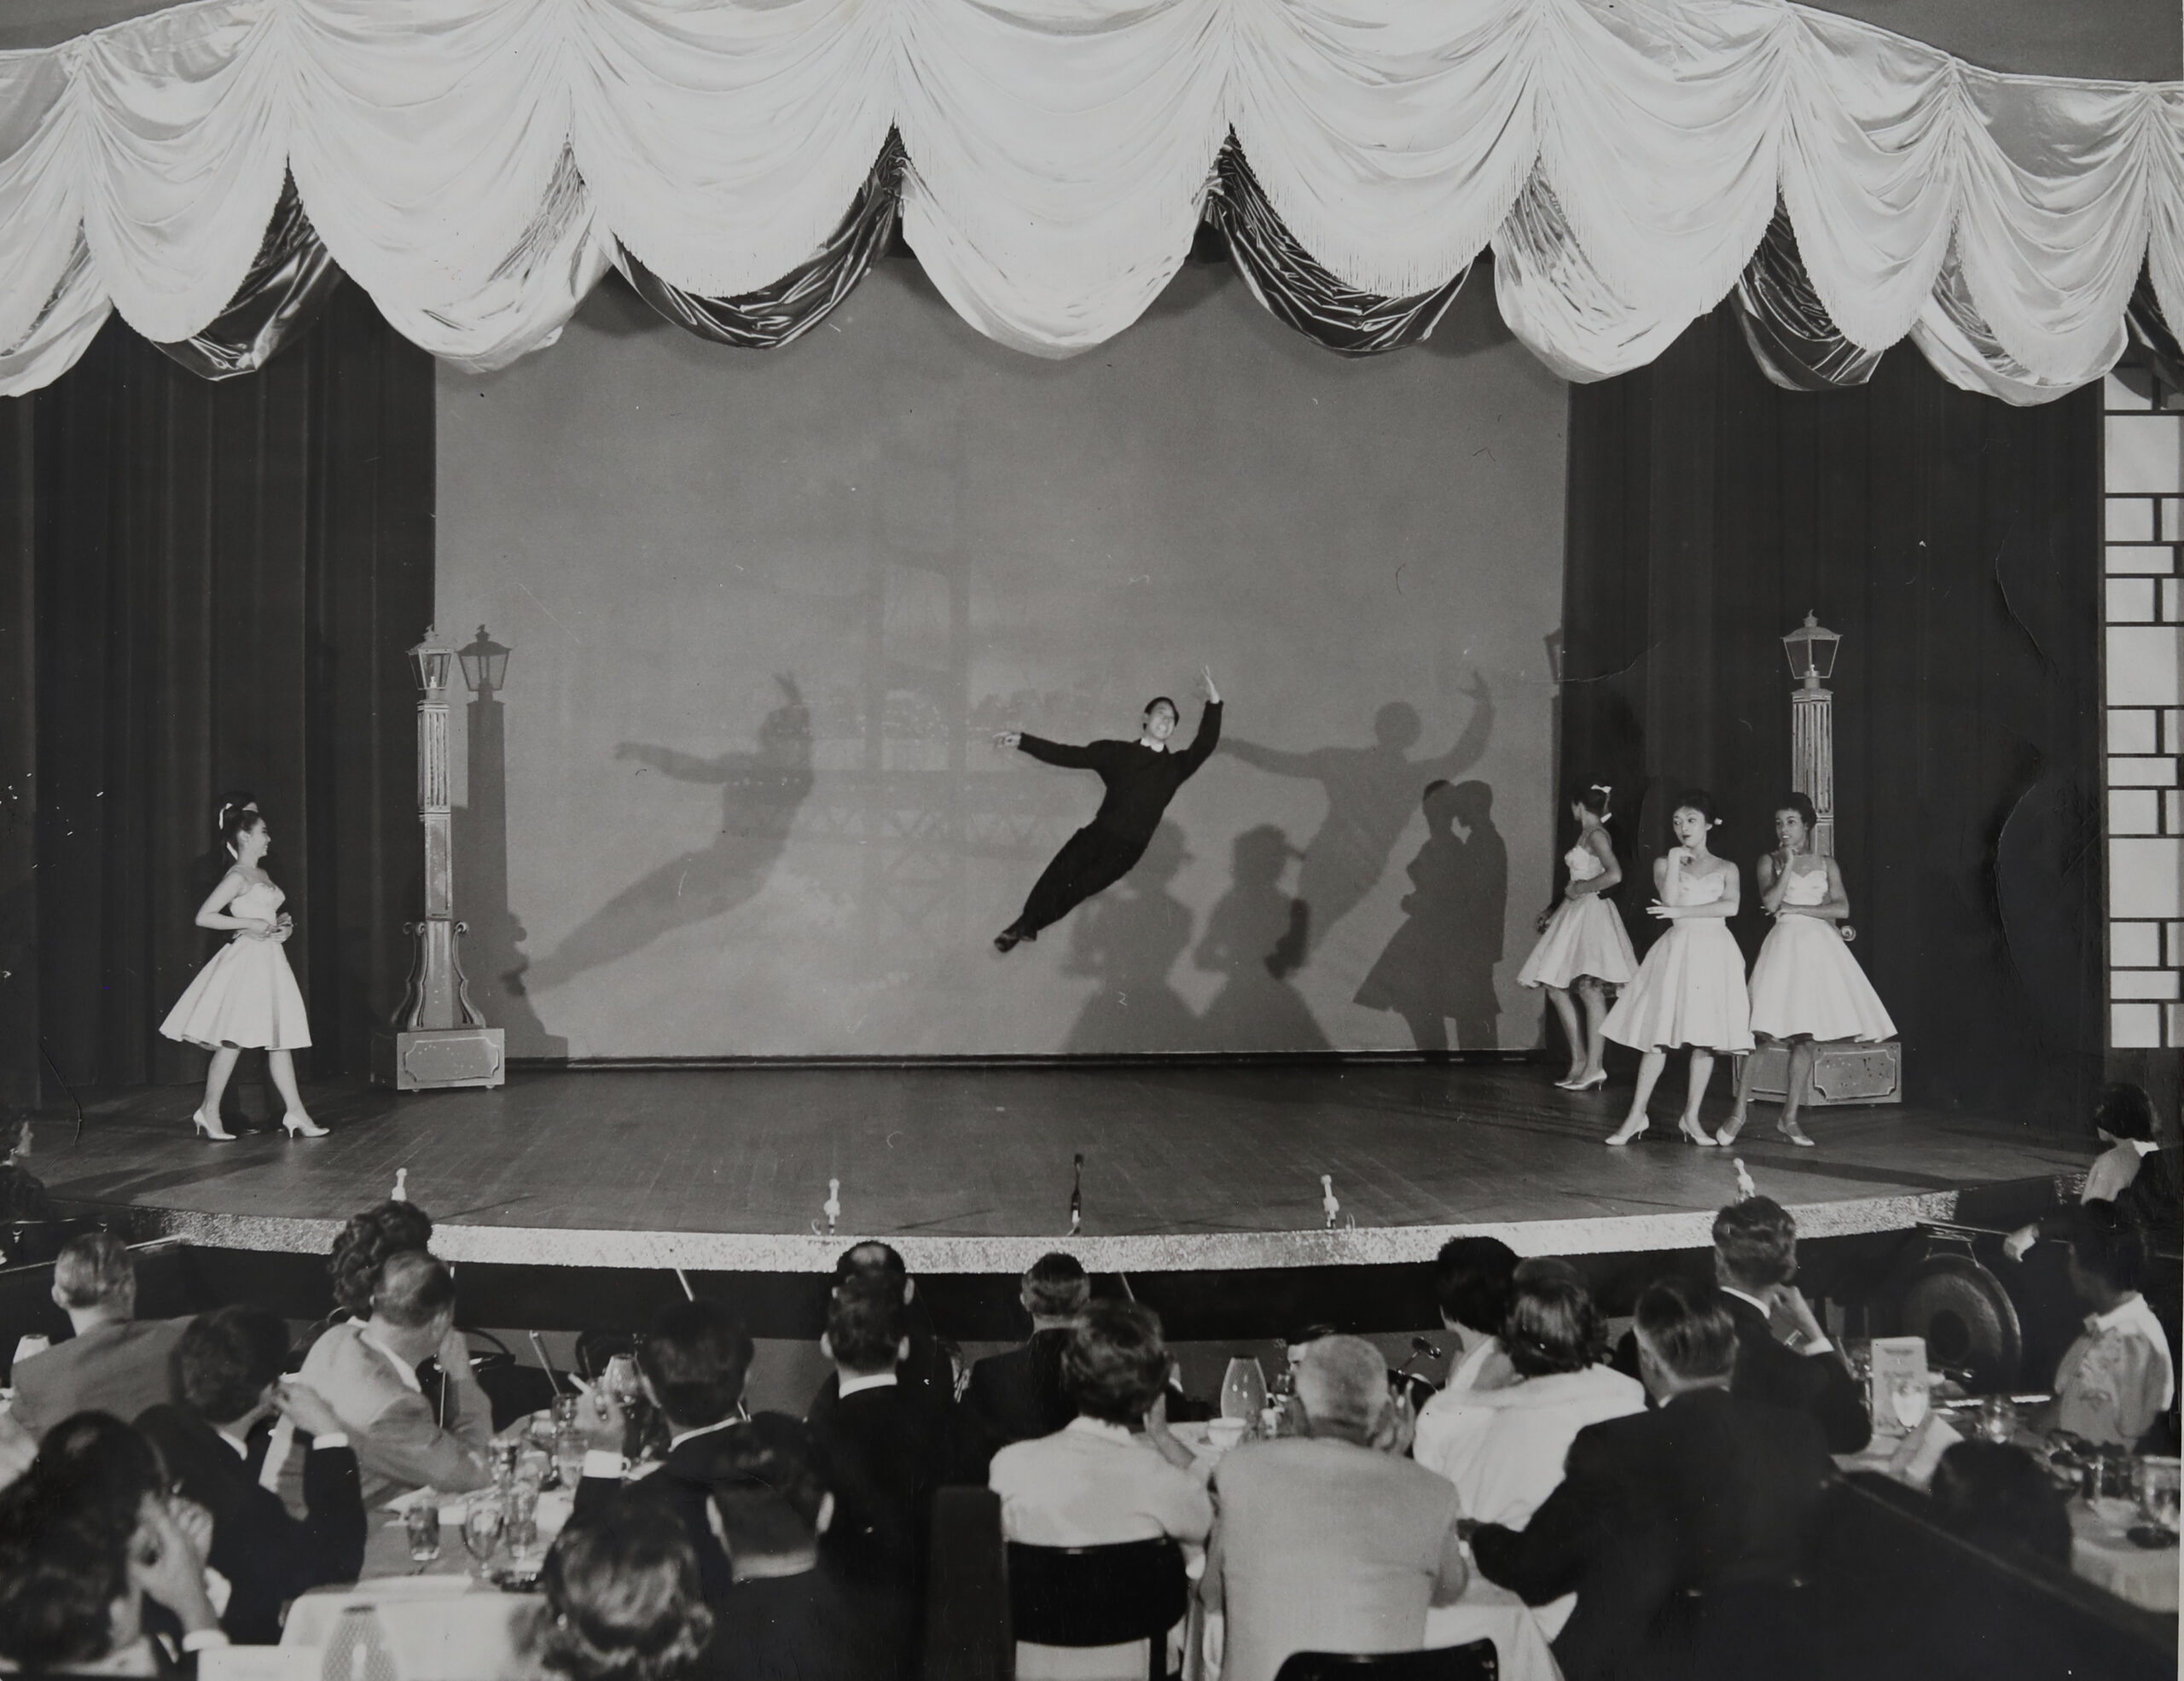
(1142, 777)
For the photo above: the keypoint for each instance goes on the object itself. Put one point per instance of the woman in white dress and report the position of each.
(246, 996)
(1690, 990)
(1582, 945)
(1806, 987)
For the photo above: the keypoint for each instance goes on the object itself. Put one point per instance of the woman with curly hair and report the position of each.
(367, 1240)
(622, 1600)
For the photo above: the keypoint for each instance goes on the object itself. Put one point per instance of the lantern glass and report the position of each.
(1811, 648)
(429, 662)
(484, 663)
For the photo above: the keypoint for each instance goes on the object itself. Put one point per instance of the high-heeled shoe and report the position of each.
(1584, 1083)
(1729, 1130)
(1627, 1133)
(210, 1130)
(1796, 1134)
(305, 1128)
(1694, 1134)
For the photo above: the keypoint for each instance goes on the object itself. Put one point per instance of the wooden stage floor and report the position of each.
(968, 1170)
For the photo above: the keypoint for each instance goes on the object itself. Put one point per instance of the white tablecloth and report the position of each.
(1489, 1613)
(2104, 1554)
(439, 1628)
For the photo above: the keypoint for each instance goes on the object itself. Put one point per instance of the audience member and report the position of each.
(1997, 1496)
(367, 1240)
(115, 1363)
(1473, 1278)
(2116, 1381)
(692, 1364)
(1098, 1481)
(789, 1616)
(929, 1365)
(2133, 1172)
(366, 1370)
(1334, 1541)
(87, 1537)
(1504, 1448)
(1683, 1531)
(883, 1447)
(621, 1599)
(1019, 1396)
(228, 1369)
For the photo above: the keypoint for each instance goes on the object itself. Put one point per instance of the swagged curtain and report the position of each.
(477, 166)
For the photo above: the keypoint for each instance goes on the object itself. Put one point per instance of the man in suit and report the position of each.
(883, 1447)
(368, 1373)
(927, 1366)
(1018, 1396)
(1333, 1541)
(228, 1369)
(692, 1365)
(1682, 1531)
(115, 1363)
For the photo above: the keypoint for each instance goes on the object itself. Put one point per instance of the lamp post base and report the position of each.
(1841, 1074)
(439, 1059)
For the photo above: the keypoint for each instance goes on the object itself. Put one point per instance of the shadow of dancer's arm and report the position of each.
(1471, 745)
(1274, 759)
(683, 767)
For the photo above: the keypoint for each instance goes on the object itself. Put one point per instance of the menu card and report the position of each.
(1895, 1358)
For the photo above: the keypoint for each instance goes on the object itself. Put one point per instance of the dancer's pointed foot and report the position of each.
(298, 1124)
(210, 1130)
(1694, 1133)
(1730, 1128)
(1633, 1128)
(1796, 1134)
(1006, 940)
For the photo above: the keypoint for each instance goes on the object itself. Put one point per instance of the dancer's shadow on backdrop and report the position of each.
(1438, 966)
(761, 794)
(1256, 936)
(1370, 792)
(1128, 939)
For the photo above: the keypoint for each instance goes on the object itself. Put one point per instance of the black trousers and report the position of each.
(1090, 860)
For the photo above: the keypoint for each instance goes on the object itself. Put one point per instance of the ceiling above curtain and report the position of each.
(478, 165)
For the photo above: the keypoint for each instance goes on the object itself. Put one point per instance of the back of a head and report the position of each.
(1994, 1494)
(1471, 1280)
(2124, 1110)
(696, 1356)
(1757, 1242)
(1342, 1384)
(1689, 1329)
(413, 1290)
(871, 1259)
(94, 1271)
(622, 1602)
(1552, 1325)
(865, 1323)
(767, 1487)
(100, 1467)
(1055, 1286)
(226, 1358)
(1116, 1363)
(62, 1566)
(366, 1240)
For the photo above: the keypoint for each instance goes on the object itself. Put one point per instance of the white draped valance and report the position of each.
(476, 164)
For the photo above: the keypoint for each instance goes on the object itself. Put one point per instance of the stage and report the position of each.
(967, 1170)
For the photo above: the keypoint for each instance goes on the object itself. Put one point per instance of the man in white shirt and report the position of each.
(1098, 1481)
(2118, 1377)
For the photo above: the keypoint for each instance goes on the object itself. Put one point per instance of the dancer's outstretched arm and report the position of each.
(684, 767)
(1209, 724)
(1063, 753)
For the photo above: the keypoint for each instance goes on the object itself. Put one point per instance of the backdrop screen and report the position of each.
(738, 794)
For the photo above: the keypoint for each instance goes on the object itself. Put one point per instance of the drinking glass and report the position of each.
(1907, 1398)
(568, 1458)
(519, 1508)
(1997, 1419)
(422, 1524)
(1243, 1391)
(481, 1530)
(620, 1378)
(2156, 1479)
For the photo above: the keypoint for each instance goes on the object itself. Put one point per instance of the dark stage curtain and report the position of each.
(1954, 541)
(799, 301)
(220, 581)
(1295, 289)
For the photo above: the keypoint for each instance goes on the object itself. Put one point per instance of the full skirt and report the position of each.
(1585, 936)
(1689, 990)
(1806, 981)
(245, 997)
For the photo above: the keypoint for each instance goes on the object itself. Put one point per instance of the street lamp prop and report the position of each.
(438, 1040)
(1812, 648)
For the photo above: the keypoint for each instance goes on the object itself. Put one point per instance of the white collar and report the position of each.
(2145, 1147)
(680, 1437)
(1100, 1428)
(2131, 1313)
(402, 1369)
(1747, 1296)
(1152, 747)
(873, 1380)
(241, 1446)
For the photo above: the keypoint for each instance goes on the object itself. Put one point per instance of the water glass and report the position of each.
(422, 1522)
(568, 1458)
(1243, 1391)
(519, 1508)
(2156, 1480)
(481, 1530)
(564, 1410)
(1997, 1420)
(620, 1378)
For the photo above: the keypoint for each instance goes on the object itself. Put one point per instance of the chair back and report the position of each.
(967, 1635)
(1477, 1662)
(1096, 1596)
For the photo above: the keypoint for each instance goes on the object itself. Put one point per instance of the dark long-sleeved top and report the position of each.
(1140, 782)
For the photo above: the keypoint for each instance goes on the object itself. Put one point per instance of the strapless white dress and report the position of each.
(1805, 980)
(1690, 989)
(246, 996)
(1585, 936)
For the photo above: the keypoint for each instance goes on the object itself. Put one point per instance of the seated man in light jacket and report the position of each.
(115, 1363)
(405, 1436)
